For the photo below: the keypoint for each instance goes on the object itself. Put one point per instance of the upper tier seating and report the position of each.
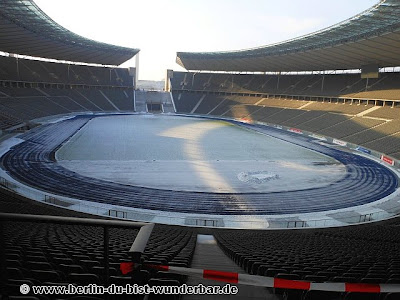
(327, 85)
(50, 72)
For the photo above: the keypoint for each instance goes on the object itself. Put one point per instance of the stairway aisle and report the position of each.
(168, 104)
(140, 101)
(164, 99)
(209, 256)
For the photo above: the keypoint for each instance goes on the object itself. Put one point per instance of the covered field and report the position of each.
(192, 154)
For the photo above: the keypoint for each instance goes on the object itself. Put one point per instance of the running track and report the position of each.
(32, 162)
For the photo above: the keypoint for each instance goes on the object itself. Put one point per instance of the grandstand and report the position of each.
(65, 89)
(347, 119)
(49, 242)
(332, 87)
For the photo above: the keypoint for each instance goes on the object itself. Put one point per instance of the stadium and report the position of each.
(272, 169)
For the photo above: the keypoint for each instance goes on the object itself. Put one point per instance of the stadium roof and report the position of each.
(25, 29)
(371, 37)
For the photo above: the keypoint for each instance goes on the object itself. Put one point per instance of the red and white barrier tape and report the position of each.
(271, 282)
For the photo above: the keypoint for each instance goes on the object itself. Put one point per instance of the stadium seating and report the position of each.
(328, 85)
(366, 254)
(185, 103)
(282, 102)
(60, 254)
(343, 108)
(45, 253)
(25, 104)
(354, 120)
(31, 89)
(349, 127)
(26, 70)
(385, 113)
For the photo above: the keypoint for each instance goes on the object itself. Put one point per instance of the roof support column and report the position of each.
(17, 61)
(277, 84)
(137, 68)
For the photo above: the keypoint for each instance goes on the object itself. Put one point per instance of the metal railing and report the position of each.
(136, 250)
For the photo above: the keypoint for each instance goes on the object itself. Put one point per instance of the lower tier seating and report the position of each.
(19, 105)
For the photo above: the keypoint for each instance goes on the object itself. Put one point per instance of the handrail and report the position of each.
(262, 94)
(139, 244)
(89, 85)
(136, 250)
(70, 220)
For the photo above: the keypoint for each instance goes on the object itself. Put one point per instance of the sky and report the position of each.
(160, 28)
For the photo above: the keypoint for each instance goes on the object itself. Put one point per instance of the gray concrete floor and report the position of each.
(209, 256)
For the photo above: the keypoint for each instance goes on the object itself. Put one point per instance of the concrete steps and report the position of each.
(209, 256)
(142, 98)
(168, 105)
(140, 101)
